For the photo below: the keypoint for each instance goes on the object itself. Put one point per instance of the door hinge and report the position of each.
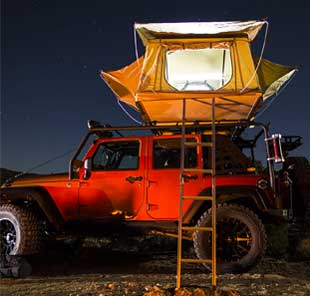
(152, 207)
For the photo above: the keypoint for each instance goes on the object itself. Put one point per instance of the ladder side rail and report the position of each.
(180, 221)
(213, 157)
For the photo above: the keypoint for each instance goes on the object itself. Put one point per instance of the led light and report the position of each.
(262, 184)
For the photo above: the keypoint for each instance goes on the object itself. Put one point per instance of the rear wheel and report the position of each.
(241, 238)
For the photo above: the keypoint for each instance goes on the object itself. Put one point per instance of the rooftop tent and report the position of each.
(197, 62)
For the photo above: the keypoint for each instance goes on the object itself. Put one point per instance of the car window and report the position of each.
(167, 154)
(121, 155)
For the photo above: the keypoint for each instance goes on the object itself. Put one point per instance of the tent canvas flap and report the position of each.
(272, 77)
(124, 82)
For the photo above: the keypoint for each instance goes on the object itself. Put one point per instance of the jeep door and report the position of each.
(116, 180)
(163, 180)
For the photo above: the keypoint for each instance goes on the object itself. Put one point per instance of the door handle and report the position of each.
(132, 179)
(83, 183)
(190, 177)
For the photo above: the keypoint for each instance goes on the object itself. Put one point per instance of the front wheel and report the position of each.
(241, 238)
(19, 231)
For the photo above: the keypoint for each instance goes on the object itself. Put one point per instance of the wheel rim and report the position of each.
(234, 240)
(8, 236)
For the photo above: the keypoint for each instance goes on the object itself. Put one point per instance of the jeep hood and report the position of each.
(37, 180)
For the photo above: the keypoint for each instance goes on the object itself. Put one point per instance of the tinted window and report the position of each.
(167, 154)
(120, 155)
(229, 158)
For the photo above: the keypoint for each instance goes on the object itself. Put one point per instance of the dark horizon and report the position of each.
(52, 53)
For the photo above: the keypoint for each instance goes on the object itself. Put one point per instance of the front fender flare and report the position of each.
(40, 196)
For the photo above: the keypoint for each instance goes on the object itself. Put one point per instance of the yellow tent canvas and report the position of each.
(197, 62)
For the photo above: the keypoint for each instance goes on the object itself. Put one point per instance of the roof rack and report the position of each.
(174, 127)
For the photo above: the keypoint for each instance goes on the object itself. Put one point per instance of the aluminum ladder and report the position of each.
(212, 198)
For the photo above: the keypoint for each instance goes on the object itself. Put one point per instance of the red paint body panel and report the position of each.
(155, 196)
(163, 192)
(63, 192)
(107, 192)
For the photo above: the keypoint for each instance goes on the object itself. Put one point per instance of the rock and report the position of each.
(262, 291)
(219, 292)
(111, 286)
(183, 292)
(274, 277)
(199, 292)
(155, 291)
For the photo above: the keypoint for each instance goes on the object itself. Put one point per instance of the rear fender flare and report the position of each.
(226, 194)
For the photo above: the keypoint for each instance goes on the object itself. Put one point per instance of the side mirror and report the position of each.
(77, 164)
(87, 168)
(275, 148)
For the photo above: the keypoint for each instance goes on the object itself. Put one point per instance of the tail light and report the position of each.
(262, 184)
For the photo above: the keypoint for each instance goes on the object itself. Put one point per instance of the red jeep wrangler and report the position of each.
(135, 181)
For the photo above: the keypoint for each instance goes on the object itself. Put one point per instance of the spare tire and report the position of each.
(300, 161)
(241, 239)
(299, 170)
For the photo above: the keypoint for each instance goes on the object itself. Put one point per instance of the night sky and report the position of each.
(52, 51)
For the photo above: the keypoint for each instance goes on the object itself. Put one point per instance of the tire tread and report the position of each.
(29, 229)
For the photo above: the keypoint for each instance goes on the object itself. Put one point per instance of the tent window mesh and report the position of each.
(198, 69)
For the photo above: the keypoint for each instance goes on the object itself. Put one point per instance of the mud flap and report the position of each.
(14, 266)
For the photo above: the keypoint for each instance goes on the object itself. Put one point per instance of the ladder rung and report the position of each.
(202, 171)
(197, 228)
(198, 197)
(195, 144)
(187, 260)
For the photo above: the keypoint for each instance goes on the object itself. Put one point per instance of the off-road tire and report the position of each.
(257, 243)
(26, 228)
(300, 176)
(299, 161)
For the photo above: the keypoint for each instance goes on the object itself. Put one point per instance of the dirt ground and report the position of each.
(106, 271)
